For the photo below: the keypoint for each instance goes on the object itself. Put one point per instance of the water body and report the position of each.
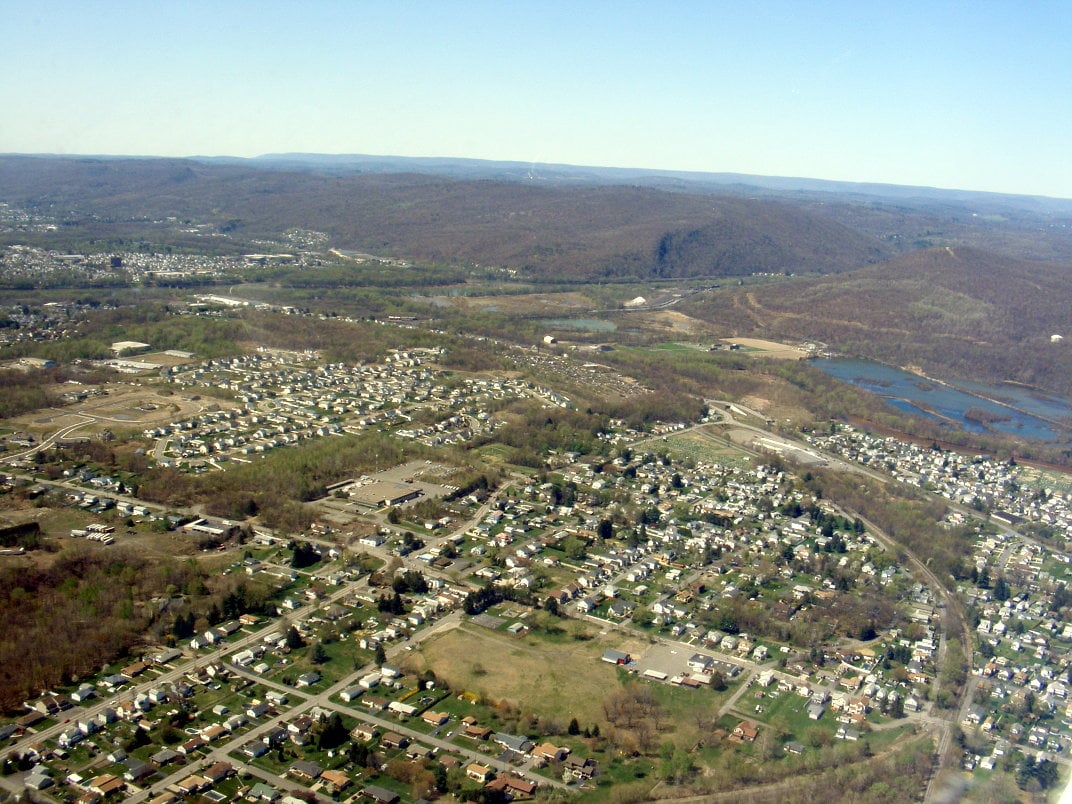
(1016, 410)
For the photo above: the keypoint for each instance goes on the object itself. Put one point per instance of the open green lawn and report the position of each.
(787, 711)
(554, 675)
(343, 657)
(674, 346)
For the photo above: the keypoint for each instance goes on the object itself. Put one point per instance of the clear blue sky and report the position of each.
(974, 95)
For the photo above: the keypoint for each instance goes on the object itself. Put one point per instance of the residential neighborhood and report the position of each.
(690, 566)
(754, 581)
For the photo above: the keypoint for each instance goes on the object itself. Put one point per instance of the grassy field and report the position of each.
(559, 679)
(788, 710)
(681, 347)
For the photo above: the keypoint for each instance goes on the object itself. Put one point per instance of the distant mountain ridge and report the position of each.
(552, 172)
(546, 230)
(548, 221)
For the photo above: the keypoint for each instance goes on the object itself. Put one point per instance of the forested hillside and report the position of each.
(961, 311)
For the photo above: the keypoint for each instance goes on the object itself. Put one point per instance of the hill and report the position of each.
(962, 311)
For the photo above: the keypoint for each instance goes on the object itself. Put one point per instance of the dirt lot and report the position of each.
(669, 322)
(761, 348)
(120, 407)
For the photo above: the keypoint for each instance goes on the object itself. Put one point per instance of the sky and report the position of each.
(974, 96)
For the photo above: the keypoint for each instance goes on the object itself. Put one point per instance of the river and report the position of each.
(973, 406)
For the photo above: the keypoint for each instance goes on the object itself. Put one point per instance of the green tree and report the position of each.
(333, 734)
(1001, 589)
(294, 639)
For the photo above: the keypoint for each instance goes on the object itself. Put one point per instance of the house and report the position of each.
(392, 739)
(275, 737)
(263, 792)
(193, 744)
(700, 663)
(336, 780)
(83, 693)
(616, 657)
(70, 737)
(379, 795)
(511, 742)
(374, 702)
(435, 718)
(351, 694)
(580, 769)
(974, 716)
(214, 732)
(193, 784)
(306, 771)
(106, 785)
(549, 752)
(299, 726)
(586, 605)
(256, 748)
(307, 679)
(745, 731)
(114, 681)
(137, 771)
(29, 720)
(134, 670)
(479, 773)
(218, 771)
(363, 732)
(621, 609)
(38, 778)
(477, 732)
(418, 751)
(845, 733)
(512, 786)
(163, 757)
(793, 747)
